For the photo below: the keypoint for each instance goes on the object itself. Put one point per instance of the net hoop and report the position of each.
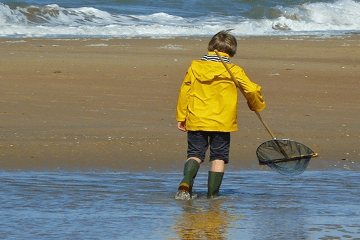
(285, 156)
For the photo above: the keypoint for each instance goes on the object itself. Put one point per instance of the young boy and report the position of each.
(207, 110)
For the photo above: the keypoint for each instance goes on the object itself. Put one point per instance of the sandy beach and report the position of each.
(109, 104)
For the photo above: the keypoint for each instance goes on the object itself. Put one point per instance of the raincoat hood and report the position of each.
(205, 71)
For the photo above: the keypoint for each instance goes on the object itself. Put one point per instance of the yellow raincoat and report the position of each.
(208, 96)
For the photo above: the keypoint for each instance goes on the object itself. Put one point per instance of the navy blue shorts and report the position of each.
(199, 141)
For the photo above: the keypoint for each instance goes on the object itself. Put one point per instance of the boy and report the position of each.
(207, 110)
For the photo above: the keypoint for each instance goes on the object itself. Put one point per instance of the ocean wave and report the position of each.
(340, 16)
(52, 20)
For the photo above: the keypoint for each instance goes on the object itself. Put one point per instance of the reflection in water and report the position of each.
(252, 206)
(203, 220)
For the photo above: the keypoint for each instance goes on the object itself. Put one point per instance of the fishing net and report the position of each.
(285, 156)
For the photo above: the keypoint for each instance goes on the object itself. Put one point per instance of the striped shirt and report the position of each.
(215, 58)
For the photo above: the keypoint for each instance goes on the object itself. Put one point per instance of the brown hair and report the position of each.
(223, 41)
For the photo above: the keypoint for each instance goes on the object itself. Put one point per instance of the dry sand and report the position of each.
(109, 104)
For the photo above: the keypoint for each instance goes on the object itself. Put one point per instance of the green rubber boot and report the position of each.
(191, 168)
(214, 182)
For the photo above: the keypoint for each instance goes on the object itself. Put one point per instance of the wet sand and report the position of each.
(109, 104)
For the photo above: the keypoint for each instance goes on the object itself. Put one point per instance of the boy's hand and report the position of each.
(182, 126)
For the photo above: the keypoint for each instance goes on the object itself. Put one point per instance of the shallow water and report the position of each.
(123, 205)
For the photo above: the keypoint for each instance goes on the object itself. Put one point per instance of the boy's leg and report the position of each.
(218, 165)
(219, 156)
(215, 178)
(197, 146)
(191, 167)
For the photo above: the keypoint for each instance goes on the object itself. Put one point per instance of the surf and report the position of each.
(54, 20)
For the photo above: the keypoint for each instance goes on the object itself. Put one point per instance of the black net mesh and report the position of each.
(285, 156)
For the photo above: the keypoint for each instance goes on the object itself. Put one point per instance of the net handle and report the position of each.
(300, 157)
(257, 113)
(241, 90)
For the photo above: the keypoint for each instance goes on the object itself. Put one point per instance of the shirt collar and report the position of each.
(211, 56)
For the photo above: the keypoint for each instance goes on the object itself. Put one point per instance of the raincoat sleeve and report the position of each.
(184, 96)
(251, 91)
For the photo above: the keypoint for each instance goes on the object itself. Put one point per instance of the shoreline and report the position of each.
(109, 103)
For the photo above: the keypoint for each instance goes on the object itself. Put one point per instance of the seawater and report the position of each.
(177, 18)
(127, 205)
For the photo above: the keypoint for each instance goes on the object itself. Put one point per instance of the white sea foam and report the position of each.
(97, 45)
(54, 21)
(342, 15)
